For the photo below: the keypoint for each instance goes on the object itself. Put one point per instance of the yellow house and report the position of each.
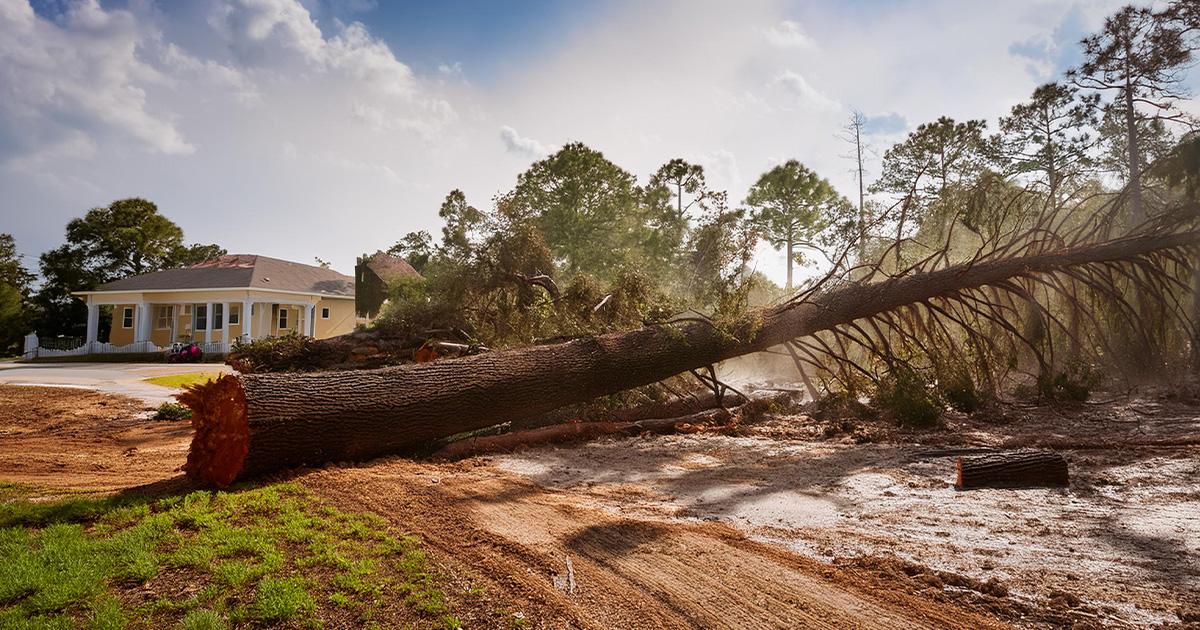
(238, 296)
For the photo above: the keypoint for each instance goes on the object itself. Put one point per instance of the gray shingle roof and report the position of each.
(241, 271)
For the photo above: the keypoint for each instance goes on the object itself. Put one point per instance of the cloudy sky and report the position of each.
(302, 128)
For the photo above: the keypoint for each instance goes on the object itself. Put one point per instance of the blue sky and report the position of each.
(491, 38)
(302, 128)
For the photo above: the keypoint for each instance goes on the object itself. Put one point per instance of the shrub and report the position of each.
(959, 391)
(286, 353)
(1074, 384)
(172, 411)
(909, 398)
(842, 405)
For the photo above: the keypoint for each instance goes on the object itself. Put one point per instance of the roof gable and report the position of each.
(389, 267)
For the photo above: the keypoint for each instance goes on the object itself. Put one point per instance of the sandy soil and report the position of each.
(793, 523)
(71, 438)
(561, 563)
(1121, 546)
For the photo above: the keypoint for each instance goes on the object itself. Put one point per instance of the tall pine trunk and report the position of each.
(790, 259)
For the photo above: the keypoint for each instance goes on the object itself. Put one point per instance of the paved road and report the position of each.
(117, 378)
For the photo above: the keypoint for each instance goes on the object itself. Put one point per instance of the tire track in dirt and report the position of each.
(514, 536)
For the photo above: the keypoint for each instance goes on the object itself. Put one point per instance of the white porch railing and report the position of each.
(33, 349)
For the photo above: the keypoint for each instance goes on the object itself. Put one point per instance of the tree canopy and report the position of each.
(792, 205)
(584, 205)
(127, 237)
(15, 282)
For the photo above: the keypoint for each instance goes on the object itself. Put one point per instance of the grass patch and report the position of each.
(203, 620)
(259, 556)
(282, 600)
(177, 381)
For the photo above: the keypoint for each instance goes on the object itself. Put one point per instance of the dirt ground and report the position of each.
(81, 439)
(1120, 547)
(794, 522)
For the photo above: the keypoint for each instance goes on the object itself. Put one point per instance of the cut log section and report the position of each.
(1015, 469)
(252, 424)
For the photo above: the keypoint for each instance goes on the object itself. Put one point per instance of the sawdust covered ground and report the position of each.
(79, 439)
(1120, 547)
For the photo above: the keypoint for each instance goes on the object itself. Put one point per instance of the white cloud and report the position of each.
(800, 87)
(83, 74)
(721, 170)
(788, 34)
(1051, 54)
(99, 104)
(369, 61)
(210, 73)
(257, 31)
(330, 159)
(521, 145)
(272, 33)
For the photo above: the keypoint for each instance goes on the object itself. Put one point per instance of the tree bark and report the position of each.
(789, 260)
(252, 424)
(1017, 469)
(1133, 144)
(862, 212)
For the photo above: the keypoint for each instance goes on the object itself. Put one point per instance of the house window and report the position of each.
(324, 312)
(162, 319)
(187, 309)
(218, 315)
(127, 317)
(283, 317)
(201, 317)
(235, 315)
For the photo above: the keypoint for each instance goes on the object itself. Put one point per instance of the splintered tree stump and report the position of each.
(1017, 469)
(252, 424)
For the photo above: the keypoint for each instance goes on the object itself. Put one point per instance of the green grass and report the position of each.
(177, 381)
(257, 557)
(10, 491)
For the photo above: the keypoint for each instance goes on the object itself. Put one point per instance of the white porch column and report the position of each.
(208, 322)
(310, 320)
(247, 321)
(93, 320)
(143, 320)
(225, 322)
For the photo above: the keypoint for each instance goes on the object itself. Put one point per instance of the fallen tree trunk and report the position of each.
(1017, 469)
(251, 424)
(576, 431)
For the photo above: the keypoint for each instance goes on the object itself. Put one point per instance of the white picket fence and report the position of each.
(33, 348)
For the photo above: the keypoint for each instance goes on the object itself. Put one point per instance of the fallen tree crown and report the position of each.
(246, 425)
